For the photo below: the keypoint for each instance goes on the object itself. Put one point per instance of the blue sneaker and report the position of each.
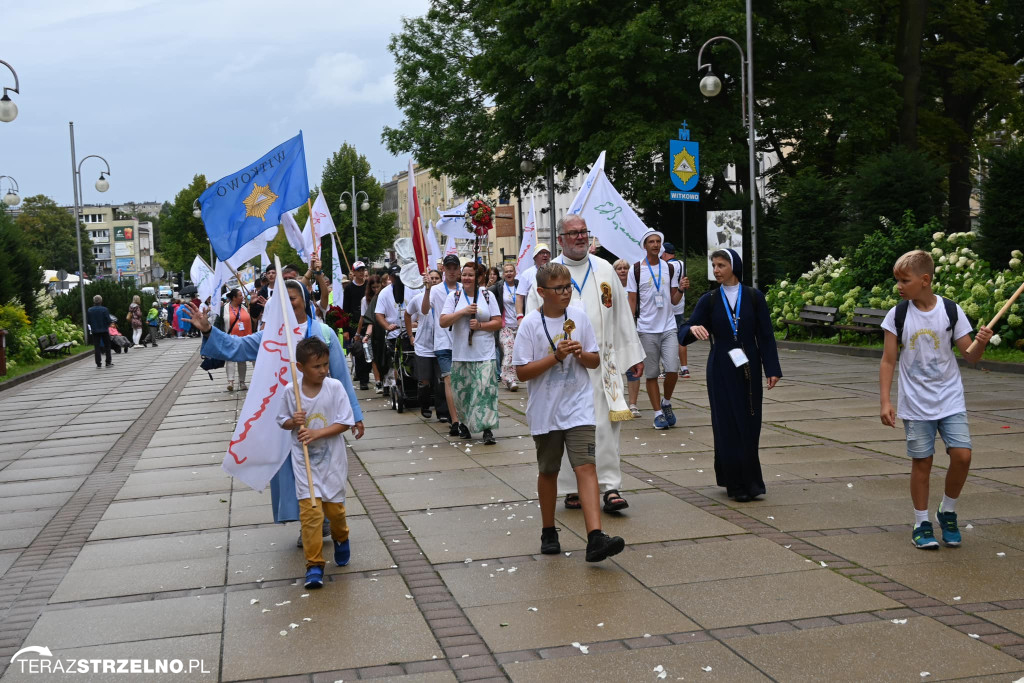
(666, 408)
(315, 577)
(660, 422)
(342, 553)
(950, 530)
(924, 537)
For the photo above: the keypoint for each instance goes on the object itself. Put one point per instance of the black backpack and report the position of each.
(636, 278)
(901, 318)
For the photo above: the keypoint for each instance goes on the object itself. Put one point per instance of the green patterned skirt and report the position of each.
(476, 394)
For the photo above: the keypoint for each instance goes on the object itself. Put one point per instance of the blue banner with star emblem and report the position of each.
(240, 207)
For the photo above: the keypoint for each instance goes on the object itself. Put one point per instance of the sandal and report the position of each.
(572, 502)
(613, 502)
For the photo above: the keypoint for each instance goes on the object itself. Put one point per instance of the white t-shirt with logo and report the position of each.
(438, 295)
(680, 272)
(930, 387)
(391, 311)
(562, 397)
(482, 347)
(328, 459)
(424, 338)
(653, 319)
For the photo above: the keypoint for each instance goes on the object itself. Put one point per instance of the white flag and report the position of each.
(201, 275)
(525, 258)
(452, 222)
(451, 247)
(609, 218)
(294, 236)
(259, 446)
(252, 249)
(264, 260)
(320, 216)
(433, 248)
(336, 273)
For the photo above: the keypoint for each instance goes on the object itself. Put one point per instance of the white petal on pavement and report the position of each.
(899, 621)
(706, 668)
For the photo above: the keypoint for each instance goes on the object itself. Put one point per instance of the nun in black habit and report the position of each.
(735, 318)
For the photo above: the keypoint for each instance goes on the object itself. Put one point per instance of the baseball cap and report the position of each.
(451, 260)
(541, 247)
(669, 248)
(358, 265)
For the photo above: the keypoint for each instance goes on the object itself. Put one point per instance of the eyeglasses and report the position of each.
(560, 289)
(576, 234)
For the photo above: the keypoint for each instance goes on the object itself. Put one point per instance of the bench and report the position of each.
(49, 345)
(865, 321)
(813, 318)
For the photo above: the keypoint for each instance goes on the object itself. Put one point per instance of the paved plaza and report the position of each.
(121, 537)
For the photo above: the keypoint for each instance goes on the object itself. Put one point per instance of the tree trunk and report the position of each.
(908, 60)
(960, 185)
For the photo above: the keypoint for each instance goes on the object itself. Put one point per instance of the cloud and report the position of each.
(343, 79)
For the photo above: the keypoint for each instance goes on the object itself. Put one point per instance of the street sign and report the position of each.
(158, 271)
(684, 166)
(62, 275)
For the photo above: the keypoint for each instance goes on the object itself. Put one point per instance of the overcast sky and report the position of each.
(165, 89)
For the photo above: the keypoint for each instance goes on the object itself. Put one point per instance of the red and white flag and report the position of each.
(525, 258)
(419, 244)
(259, 446)
(318, 225)
(451, 247)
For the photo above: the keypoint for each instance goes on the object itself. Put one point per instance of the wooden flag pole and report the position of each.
(343, 254)
(295, 378)
(312, 228)
(992, 323)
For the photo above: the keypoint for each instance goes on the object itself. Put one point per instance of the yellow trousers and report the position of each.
(312, 521)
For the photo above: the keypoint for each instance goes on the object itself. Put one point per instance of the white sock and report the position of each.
(656, 414)
(920, 516)
(685, 368)
(948, 504)
(666, 402)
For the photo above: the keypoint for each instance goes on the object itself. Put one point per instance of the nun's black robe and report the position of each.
(735, 393)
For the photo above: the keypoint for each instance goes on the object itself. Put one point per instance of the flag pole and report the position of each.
(343, 254)
(295, 380)
(312, 228)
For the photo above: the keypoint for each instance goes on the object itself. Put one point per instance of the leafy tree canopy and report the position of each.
(183, 235)
(49, 230)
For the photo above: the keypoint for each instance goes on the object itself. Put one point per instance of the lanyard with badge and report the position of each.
(579, 287)
(739, 359)
(659, 301)
(544, 322)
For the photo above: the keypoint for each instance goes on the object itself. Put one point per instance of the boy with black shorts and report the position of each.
(554, 348)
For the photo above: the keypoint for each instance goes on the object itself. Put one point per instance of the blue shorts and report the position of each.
(444, 359)
(631, 377)
(921, 434)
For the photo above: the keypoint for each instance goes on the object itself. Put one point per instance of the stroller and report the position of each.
(404, 386)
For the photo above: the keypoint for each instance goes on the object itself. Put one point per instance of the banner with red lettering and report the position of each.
(259, 446)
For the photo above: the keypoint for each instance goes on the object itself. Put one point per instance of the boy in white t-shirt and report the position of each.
(554, 348)
(931, 395)
(326, 413)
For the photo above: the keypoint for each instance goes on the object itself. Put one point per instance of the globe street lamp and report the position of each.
(8, 109)
(12, 199)
(102, 185)
(711, 85)
(353, 197)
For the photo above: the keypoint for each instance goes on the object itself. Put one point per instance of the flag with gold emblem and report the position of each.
(239, 207)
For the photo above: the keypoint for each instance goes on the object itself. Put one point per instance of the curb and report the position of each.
(21, 379)
(863, 352)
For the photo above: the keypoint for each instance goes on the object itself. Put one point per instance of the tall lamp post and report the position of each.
(527, 166)
(102, 185)
(353, 197)
(8, 109)
(710, 85)
(12, 199)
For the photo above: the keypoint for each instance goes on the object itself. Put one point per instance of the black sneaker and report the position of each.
(489, 438)
(425, 412)
(464, 431)
(364, 387)
(454, 430)
(549, 544)
(602, 546)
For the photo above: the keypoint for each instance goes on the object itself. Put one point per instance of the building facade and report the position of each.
(121, 245)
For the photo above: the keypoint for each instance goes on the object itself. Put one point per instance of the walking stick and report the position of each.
(295, 379)
(1002, 311)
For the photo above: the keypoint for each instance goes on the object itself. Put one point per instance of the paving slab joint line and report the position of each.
(128, 447)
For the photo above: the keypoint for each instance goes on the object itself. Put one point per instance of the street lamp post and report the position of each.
(8, 109)
(527, 166)
(12, 199)
(102, 185)
(710, 85)
(353, 197)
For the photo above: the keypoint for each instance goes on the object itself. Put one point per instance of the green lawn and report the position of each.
(1004, 354)
(23, 368)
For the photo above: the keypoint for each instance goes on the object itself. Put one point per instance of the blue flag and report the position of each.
(238, 208)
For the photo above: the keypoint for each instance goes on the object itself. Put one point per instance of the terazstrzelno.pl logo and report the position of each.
(39, 660)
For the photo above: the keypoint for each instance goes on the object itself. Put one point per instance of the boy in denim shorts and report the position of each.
(931, 396)
(555, 346)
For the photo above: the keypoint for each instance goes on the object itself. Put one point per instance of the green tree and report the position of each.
(377, 229)
(20, 274)
(182, 234)
(804, 227)
(49, 230)
(1002, 208)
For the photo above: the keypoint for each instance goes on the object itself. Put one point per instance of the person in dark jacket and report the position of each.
(98, 319)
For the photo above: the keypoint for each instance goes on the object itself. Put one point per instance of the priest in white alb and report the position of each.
(597, 289)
